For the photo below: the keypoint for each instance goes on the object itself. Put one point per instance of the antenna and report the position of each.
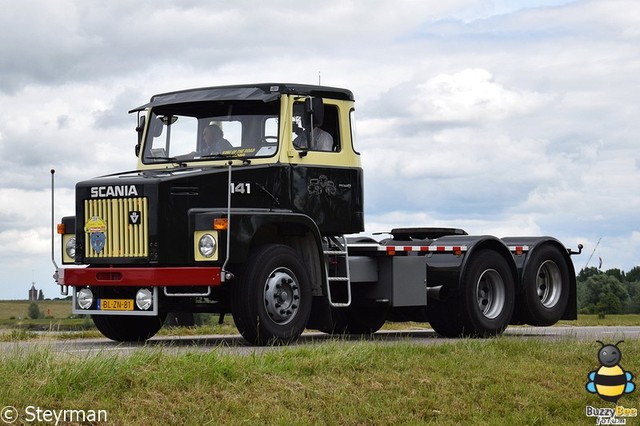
(53, 172)
(64, 290)
(594, 250)
(319, 78)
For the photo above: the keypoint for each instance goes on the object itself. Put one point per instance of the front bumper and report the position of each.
(136, 277)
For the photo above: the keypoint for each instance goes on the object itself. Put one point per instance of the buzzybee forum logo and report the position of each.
(610, 382)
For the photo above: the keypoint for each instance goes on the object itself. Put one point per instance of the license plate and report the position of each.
(115, 305)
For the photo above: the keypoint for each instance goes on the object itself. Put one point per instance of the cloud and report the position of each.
(471, 95)
(113, 115)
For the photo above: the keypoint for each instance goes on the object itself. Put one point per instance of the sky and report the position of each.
(499, 117)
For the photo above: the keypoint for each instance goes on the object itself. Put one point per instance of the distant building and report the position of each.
(33, 293)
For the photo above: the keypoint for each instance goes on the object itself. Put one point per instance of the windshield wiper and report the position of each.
(217, 156)
(275, 200)
(169, 159)
(222, 156)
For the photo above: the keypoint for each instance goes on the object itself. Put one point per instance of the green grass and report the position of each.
(493, 381)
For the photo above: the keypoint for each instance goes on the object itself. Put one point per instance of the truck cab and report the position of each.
(220, 171)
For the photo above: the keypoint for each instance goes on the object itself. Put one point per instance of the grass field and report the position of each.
(491, 381)
(18, 308)
(504, 380)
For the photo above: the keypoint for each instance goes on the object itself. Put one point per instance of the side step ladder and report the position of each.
(336, 259)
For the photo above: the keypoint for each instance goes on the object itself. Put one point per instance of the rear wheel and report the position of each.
(545, 291)
(271, 303)
(128, 328)
(485, 303)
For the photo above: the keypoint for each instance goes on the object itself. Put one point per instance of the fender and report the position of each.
(449, 270)
(254, 226)
(534, 243)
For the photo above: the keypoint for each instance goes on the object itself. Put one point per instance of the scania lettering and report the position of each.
(248, 200)
(113, 191)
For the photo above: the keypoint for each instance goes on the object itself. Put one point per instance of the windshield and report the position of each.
(212, 130)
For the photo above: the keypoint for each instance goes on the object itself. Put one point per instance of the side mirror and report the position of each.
(140, 127)
(140, 130)
(308, 105)
(313, 117)
(314, 109)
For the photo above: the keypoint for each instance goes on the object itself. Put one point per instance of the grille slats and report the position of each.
(122, 239)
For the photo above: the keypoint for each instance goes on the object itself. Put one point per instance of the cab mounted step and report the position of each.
(336, 257)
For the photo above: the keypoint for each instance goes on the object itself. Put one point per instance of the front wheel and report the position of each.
(128, 328)
(271, 303)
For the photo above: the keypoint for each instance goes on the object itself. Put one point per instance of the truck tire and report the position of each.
(485, 303)
(271, 303)
(445, 317)
(545, 287)
(128, 328)
(357, 320)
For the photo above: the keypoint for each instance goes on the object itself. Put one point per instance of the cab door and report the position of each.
(326, 176)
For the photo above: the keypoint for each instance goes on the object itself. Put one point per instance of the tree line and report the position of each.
(610, 292)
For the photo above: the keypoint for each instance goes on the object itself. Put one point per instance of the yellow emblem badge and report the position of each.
(96, 228)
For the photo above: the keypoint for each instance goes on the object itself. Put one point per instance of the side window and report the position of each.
(354, 129)
(326, 134)
(331, 125)
(271, 130)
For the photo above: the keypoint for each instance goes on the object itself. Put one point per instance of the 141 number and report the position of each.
(240, 188)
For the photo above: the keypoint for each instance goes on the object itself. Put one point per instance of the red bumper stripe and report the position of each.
(149, 277)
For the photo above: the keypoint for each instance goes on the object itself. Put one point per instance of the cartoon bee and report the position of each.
(610, 381)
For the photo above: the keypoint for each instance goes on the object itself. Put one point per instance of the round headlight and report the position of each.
(207, 245)
(84, 298)
(70, 247)
(144, 299)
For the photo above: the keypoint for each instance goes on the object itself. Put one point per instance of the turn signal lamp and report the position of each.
(220, 224)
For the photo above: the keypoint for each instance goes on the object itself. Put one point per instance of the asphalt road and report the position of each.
(235, 343)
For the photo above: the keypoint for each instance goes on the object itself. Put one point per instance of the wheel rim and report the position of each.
(549, 284)
(491, 294)
(282, 296)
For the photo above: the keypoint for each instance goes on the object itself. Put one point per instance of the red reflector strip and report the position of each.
(519, 250)
(392, 250)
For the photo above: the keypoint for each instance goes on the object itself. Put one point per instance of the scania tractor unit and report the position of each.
(248, 200)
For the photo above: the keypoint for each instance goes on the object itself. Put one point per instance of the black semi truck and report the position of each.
(248, 200)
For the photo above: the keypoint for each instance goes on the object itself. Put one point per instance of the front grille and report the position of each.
(116, 227)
